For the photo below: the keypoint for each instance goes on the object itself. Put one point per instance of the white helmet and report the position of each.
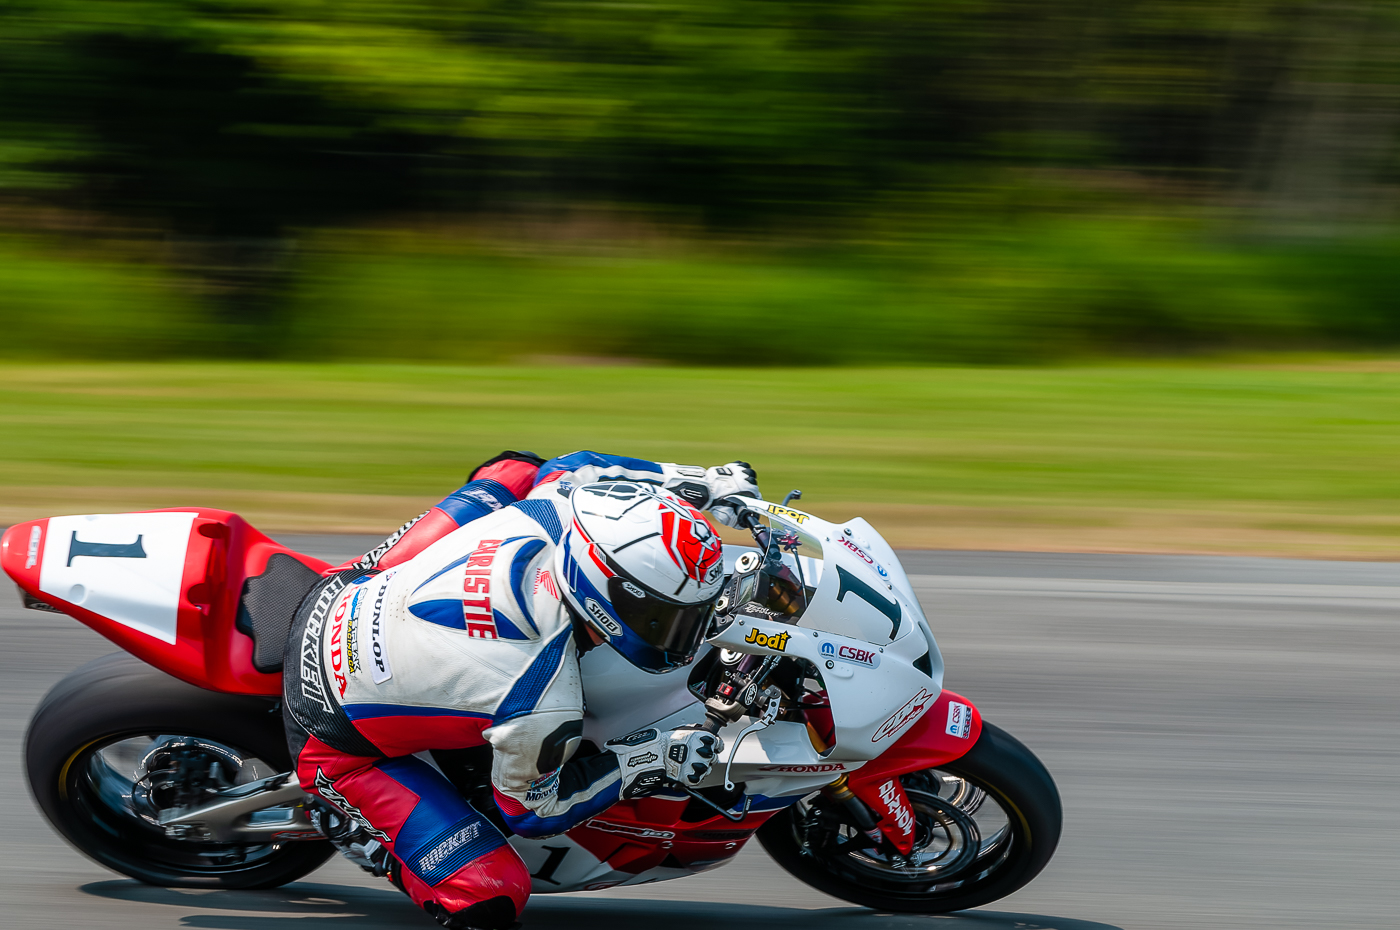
(643, 568)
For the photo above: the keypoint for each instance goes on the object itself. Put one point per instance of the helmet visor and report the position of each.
(676, 629)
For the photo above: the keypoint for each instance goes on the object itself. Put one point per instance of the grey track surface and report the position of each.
(1224, 733)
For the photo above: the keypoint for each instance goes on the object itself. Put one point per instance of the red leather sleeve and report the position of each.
(517, 476)
(427, 530)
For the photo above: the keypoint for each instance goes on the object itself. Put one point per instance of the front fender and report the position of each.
(945, 732)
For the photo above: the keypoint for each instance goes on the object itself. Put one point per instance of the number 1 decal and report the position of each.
(77, 547)
(551, 865)
(850, 584)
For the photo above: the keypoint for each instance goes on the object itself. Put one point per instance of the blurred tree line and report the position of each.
(230, 125)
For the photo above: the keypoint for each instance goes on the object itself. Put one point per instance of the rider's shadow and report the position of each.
(581, 913)
(357, 908)
(345, 907)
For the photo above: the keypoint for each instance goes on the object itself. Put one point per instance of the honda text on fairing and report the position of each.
(817, 691)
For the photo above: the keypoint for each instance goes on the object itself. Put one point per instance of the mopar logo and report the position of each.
(828, 649)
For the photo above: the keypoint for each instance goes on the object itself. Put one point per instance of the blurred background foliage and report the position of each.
(728, 181)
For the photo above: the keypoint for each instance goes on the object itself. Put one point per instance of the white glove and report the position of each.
(701, 487)
(725, 480)
(649, 758)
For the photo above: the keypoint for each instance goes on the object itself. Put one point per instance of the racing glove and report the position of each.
(736, 478)
(650, 758)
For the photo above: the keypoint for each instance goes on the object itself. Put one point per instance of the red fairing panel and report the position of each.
(945, 732)
(635, 836)
(162, 584)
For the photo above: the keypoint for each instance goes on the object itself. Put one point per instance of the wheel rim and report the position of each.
(119, 787)
(961, 836)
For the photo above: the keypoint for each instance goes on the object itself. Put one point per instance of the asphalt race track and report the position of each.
(1225, 733)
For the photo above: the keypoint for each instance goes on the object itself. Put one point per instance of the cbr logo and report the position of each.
(893, 799)
(775, 641)
(899, 718)
(804, 769)
(796, 516)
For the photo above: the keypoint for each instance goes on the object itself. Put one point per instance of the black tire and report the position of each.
(998, 764)
(119, 697)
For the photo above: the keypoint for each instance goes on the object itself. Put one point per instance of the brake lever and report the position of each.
(765, 720)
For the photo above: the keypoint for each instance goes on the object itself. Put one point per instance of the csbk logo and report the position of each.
(959, 720)
(867, 657)
(775, 641)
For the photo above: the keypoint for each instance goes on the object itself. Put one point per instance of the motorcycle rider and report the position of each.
(464, 629)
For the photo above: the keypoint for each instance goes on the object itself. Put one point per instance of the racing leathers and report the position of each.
(452, 635)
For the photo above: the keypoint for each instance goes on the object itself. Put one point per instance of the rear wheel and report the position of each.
(985, 825)
(117, 744)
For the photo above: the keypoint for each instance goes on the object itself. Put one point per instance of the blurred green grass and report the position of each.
(1070, 444)
(60, 302)
(1035, 292)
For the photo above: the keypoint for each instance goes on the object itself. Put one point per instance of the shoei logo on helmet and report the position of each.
(599, 613)
(691, 541)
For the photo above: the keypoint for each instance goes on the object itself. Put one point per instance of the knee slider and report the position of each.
(496, 913)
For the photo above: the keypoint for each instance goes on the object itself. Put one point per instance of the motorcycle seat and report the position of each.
(268, 605)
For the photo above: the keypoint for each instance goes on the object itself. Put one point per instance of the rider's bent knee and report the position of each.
(487, 893)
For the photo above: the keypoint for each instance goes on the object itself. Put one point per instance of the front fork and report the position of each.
(890, 808)
(946, 731)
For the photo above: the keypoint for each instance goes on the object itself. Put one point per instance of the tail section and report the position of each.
(168, 586)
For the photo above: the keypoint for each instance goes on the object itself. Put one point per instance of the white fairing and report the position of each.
(124, 566)
(866, 660)
(864, 630)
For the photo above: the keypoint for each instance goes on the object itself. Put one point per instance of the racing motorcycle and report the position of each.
(859, 774)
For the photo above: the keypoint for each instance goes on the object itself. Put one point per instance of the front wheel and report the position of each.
(118, 744)
(985, 825)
